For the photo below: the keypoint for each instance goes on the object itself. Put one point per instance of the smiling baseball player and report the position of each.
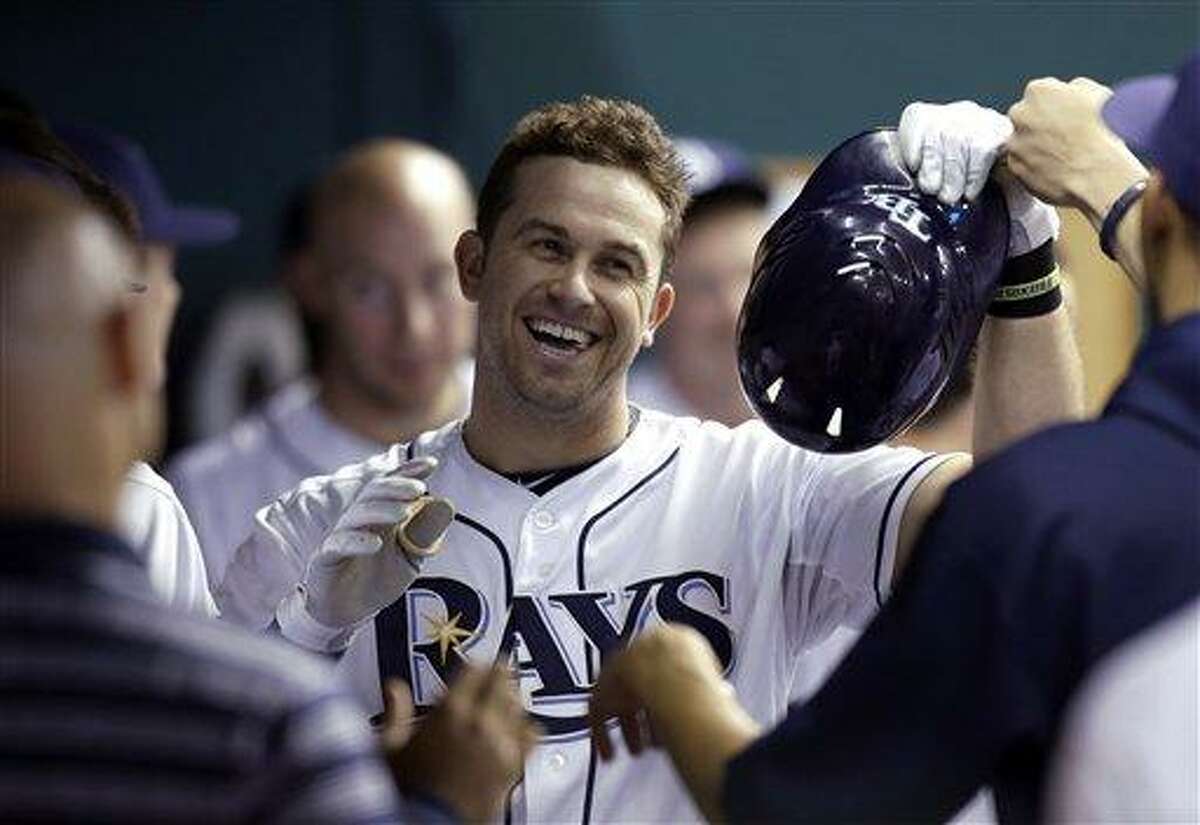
(580, 519)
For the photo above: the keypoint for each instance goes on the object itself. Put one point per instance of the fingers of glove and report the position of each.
(424, 529)
(979, 165)
(392, 488)
(345, 544)
(912, 134)
(419, 468)
(954, 167)
(929, 179)
(379, 515)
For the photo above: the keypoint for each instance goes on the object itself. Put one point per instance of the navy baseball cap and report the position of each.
(125, 166)
(1159, 118)
(716, 167)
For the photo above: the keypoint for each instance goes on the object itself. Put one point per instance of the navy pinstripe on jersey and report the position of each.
(113, 708)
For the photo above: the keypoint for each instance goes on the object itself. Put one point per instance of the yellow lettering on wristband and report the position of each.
(1023, 292)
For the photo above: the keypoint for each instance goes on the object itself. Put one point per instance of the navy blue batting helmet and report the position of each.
(867, 296)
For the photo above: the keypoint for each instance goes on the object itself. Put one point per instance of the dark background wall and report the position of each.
(238, 101)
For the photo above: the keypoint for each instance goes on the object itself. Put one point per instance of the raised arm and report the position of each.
(1028, 372)
(1093, 174)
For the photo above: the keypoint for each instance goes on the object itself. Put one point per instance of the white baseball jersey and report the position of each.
(225, 480)
(1130, 747)
(761, 547)
(154, 522)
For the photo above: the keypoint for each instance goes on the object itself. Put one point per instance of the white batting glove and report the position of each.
(952, 147)
(370, 557)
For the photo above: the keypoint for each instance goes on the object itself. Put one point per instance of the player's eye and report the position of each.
(368, 289)
(616, 267)
(550, 247)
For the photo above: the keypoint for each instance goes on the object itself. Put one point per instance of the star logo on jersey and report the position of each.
(447, 634)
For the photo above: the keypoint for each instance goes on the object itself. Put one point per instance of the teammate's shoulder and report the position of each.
(142, 477)
(247, 442)
(259, 665)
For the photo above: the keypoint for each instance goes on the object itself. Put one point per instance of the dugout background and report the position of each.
(238, 101)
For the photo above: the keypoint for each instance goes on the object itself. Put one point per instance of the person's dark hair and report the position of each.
(293, 237)
(295, 221)
(592, 130)
(25, 132)
(731, 196)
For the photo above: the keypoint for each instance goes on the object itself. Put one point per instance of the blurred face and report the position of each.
(396, 324)
(711, 276)
(568, 285)
(156, 299)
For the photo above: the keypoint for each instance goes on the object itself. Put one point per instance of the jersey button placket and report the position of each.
(535, 563)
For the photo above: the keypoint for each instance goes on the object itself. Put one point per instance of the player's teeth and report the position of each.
(547, 327)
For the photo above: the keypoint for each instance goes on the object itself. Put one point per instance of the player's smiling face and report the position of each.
(568, 284)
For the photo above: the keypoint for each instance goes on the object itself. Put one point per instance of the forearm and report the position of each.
(1029, 377)
(702, 735)
(1100, 191)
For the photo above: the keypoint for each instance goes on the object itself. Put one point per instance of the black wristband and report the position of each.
(1108, 229)
(1029, 285)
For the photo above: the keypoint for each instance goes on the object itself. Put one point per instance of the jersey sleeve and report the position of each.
(158, 527)
(911, 722)
(846, 517)
(267, 566)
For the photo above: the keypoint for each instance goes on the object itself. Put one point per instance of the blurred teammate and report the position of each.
(582, 519)
(1038, 563)
(694, 371)
(377, 283)
(1130, 747)
(115, 707)
(122, 184)
(152, 518)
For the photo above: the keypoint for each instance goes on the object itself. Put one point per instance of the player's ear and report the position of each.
(469, 257)
(127, 366)
(660, 308)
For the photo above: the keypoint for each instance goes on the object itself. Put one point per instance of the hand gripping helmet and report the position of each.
(867, 296)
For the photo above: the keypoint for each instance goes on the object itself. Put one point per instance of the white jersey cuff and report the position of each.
(298, 626)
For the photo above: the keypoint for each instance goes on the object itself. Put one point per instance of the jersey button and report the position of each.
(545, 570)
(543, 520)
(557, 761)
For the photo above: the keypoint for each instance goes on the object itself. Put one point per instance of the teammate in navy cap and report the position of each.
(1038, 563)
(152, 516)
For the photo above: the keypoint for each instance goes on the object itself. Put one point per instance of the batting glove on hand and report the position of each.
(952, 147)
(369, 559)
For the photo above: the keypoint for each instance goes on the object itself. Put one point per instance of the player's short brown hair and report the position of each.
(596, 130)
